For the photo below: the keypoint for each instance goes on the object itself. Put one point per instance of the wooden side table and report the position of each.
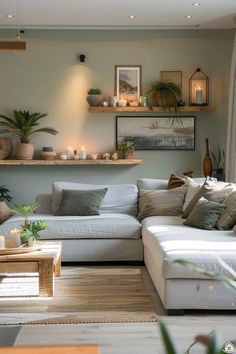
(46, 262)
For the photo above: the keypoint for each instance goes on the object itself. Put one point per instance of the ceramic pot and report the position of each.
(5, 148)
(31, 242)
(24, 151)
(94, 100)
(48, 153)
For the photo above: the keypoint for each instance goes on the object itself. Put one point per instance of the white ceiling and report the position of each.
(114, 13)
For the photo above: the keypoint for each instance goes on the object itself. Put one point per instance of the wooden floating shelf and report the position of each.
(69, 162)
(184, 109)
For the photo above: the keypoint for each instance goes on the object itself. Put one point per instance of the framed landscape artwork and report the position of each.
(157, 133)
(128, 82)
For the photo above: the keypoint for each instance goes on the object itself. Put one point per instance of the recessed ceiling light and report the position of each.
(9, 15)
(196, 4)
(131, 16)
(188, 16)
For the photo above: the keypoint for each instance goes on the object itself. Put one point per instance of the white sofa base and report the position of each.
(183, 294)
(101, 250)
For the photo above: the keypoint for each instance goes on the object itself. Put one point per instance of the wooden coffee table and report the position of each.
(46, 262)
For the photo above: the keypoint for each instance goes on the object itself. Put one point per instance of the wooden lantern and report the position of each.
(199, 89)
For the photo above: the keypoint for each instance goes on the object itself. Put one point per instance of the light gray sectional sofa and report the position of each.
(117, 235)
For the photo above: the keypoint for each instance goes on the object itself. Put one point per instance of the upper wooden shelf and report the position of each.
(68, 162)
(184, 109)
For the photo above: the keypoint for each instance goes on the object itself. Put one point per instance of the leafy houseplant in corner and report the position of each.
(5, 211)
(94, 97)
(218, 164)
(24, 124)
(126, 148)
(166, 95)
(30, 229)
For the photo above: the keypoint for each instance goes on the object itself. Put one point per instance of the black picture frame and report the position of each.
(182, 138)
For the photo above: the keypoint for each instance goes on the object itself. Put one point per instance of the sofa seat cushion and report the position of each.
(168, 239)
(106, 226)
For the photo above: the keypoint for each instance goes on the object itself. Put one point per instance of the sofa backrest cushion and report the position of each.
(156, 184)
(119, 199)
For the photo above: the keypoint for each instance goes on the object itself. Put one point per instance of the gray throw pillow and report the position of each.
(228, 218)
(161, 202)
(205, 215)
(81, 203)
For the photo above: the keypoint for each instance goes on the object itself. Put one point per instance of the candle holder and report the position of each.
(199, 88)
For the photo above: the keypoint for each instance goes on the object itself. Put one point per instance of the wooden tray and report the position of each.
(18, 250)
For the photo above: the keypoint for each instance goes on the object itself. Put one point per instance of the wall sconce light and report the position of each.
(81, 58)
(199, 88)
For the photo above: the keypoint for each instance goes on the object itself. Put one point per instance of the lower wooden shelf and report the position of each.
(69, 162)
(185, 109)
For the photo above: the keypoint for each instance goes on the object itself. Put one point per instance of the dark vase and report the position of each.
(219, 173)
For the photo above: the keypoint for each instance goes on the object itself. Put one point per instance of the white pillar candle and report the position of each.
(2, 241)
(63, 156)
(15, 238)
(70, 153)
(199, 95)
(122, 103)
(82, 153)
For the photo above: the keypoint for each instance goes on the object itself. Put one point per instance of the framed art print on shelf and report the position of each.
(128, 80)
(157, 133)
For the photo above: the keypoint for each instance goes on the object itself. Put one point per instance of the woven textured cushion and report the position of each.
(83, 203)
(175, 182)
(205, 215)
(228, 218)
(220, 192)
(161, 202)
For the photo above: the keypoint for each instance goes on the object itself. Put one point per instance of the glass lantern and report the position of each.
(199, 89)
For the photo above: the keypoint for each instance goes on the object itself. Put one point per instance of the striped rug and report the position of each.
(93, 294)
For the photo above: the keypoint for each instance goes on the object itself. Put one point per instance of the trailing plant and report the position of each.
(25, 211)
(5, 194)
(218, 159)
(94, 91)
(32, 229)
(125, 147)
(169, 92)
(24, 124)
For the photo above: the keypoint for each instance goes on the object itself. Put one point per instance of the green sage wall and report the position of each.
(47, 78)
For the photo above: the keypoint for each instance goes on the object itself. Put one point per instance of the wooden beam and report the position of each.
(12, 45)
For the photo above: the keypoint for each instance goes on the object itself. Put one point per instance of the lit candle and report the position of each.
(82, 153)
(199, 94)
(2, 241)
(15, 237)
(70, 153)
(63, 156)
(122, 103)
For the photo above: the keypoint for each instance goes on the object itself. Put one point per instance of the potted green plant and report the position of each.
(24, 124)
(29, 231)
(218, 164)
(5, 211)
(126, 148)
(166, 95)
(94, 97)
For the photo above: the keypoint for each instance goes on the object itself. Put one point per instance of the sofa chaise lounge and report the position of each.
(117, 235)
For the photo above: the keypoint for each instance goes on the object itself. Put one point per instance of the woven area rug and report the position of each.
(95, 294)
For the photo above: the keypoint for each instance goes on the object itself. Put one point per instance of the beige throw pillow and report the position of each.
(228, 219)
(5, 212)
(161, 202)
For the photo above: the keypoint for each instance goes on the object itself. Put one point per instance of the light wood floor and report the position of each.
(141, 338)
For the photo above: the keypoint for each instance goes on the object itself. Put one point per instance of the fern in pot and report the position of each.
(24, 125)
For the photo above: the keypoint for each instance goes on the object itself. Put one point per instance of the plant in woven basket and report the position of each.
(166, 95)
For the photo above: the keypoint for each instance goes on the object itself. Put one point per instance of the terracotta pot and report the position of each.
(130, 154)
(24, 151)
(5, 148)
(48, 153)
